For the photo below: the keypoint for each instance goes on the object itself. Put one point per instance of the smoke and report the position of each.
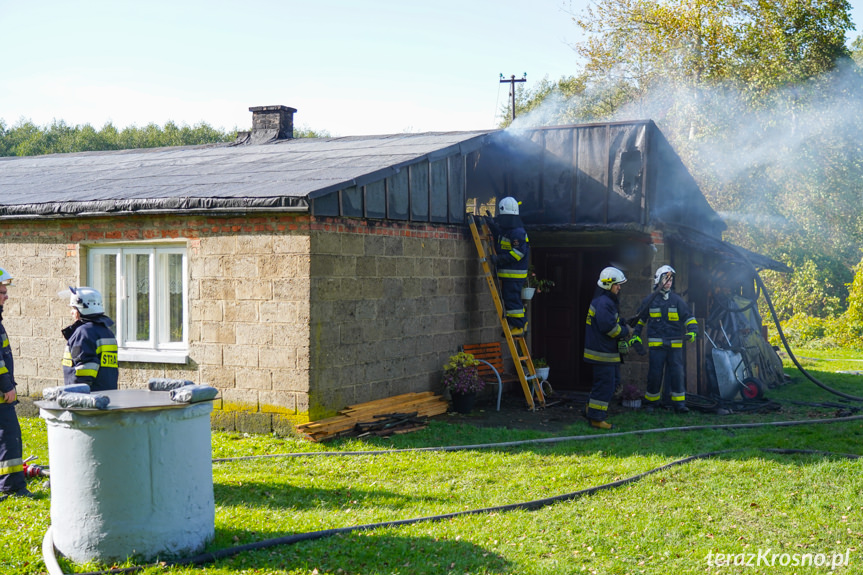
(788, 163)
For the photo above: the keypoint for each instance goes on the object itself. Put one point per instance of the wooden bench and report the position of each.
(491, 368)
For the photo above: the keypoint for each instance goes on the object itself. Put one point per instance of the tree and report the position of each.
(27, 139)
(759, 97)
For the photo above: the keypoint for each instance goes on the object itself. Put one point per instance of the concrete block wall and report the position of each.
(291, 317)
(249, 312)
(390, 302)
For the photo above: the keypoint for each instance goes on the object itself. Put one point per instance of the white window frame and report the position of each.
(158, 348)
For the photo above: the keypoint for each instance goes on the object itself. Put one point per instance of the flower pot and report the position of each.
(542, 373)
(463, 402)
(633, 403)
(527, 293)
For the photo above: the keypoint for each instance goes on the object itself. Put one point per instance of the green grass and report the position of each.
(745, 501)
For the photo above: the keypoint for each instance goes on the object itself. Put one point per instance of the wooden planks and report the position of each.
(424, 404)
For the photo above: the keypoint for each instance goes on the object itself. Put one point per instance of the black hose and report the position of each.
(526, 506)
(546, 439)
(788, 348)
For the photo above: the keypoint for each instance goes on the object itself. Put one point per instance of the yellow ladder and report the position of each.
(530, 383)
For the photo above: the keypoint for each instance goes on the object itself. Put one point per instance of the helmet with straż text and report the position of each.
(5, 277)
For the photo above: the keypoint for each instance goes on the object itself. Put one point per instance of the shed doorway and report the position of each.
(557, 317)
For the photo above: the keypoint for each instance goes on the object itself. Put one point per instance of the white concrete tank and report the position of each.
(133, 480)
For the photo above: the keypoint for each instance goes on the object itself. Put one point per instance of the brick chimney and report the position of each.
(272, 123)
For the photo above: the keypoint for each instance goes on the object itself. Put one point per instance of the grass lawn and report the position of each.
(745, 504)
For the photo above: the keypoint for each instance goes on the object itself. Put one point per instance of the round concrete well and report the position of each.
(135, 480)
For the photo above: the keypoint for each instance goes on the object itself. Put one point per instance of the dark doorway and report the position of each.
(557, 317)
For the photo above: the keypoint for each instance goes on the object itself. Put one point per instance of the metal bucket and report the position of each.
(135, 480)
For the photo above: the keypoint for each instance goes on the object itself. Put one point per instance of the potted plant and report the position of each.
(631, 396)
(534, 284)
(542, 369)
(461, 378)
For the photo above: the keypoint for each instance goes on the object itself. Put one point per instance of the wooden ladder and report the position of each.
(524, 367)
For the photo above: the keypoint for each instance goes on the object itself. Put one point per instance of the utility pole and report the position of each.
(512, 80)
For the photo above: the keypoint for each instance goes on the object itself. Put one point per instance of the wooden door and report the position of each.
(558, 316)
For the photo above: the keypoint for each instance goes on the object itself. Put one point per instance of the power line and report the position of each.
(511, 81)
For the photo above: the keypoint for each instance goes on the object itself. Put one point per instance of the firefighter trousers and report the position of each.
(11, 451)
(605, 379)
(512, 304)
(668, 361)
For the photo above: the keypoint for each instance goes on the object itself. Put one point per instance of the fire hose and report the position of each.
(763, 289)
(54, 568)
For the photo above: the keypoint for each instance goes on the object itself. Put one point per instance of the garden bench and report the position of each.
(490, 368)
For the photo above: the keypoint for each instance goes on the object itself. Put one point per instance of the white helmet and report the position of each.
(609, 277)
(508, 205)
(86, 300)
(5, 278)
(657, 277)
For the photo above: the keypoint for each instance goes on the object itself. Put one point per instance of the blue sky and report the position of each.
(349, 67)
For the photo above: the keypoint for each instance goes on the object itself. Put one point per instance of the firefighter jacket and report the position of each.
(511, 245)
(91, 353)
(7, 366)
(604, 329)
(667, 318)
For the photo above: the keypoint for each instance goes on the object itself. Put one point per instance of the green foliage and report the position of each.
(810, 290)
(855, 296)
(460, 374)
(27, 139)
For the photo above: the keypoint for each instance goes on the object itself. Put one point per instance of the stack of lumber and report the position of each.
(415, 405)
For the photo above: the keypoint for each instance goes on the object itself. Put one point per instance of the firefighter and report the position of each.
(605, 340)
(512, 248)
(12, 479)
(669, 322)
(91, 348)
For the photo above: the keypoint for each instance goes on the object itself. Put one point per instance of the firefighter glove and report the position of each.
(691, 336)
(636, 343)
(622, 347)
(493, 259)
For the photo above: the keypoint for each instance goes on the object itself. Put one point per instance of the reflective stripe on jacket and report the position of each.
(604, 328)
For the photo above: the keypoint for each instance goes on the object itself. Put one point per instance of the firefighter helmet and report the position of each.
(509, 206)
(86, 300)
(658, 277)
(609, 277)
(5, 277)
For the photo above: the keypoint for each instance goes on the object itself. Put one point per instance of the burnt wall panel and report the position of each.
(398, 196)
(525, 176)
(376, 200)
(626, 157)
(352, 202)
(419, 189)
(456, 190)
(591, 180)
(556, 192)
(438, 191)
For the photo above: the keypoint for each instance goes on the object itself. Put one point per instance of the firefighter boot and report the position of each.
(600, 424)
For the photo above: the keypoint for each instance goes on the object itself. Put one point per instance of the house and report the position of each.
(299, 276)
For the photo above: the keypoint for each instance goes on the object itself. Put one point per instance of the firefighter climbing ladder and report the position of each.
(530, 383)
